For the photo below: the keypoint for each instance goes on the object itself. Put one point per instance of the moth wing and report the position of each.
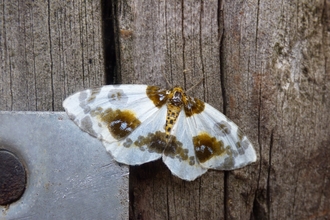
(142, 145)
(93, 109)
(218, 142)
(181, 159)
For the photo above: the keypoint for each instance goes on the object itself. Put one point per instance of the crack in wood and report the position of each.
(268, 174)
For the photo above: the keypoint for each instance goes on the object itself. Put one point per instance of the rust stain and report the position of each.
(237, 78)
(232, 102)
(125, 33)
(319, 214)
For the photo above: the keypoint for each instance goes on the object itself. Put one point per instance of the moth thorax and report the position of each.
(176, 99)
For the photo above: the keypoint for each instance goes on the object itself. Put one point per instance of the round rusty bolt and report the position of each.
(12, 178)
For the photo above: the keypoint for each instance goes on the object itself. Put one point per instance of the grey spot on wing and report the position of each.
(239, 148)
(240, 134)
(87, 109)
(228, 163)
(82, 99)
(192, 161)
(128, 142)
(71, 116)
(234, 153)
(82, 96)
(117, 96)
(242, 146)
(94, 93)
(231, 152)
(222, 128)
(87, 125)
(245, 144)
(96, 112)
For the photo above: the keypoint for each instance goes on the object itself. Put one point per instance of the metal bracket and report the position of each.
(69, 173)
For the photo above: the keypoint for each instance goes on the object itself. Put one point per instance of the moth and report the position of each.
(140, 123)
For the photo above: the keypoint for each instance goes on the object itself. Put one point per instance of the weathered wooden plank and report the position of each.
(286, 78)
(241, 98)
(181, 42)
(265, 64)
(49, 50)
(272, 79)
(297, 114)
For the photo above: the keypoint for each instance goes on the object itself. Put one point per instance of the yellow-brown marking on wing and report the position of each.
(159, 142)
(156, 95)
(193, 106)
(120, 123)
(156, 142)
(174, 149)
(207, 147)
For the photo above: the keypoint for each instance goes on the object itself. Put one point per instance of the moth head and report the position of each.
(176, 95)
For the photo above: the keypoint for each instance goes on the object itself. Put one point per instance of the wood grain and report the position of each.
(179, 41)
(267, 73)
(48, 51)
(264, 64)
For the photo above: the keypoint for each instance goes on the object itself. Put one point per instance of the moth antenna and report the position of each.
(191, 88)
(167, 82)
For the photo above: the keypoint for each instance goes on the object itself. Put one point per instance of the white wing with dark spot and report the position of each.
(184, 165)
(119, 116)
(218, 142)
(130, 121)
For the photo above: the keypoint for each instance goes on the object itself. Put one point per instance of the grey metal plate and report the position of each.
(69, 173)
